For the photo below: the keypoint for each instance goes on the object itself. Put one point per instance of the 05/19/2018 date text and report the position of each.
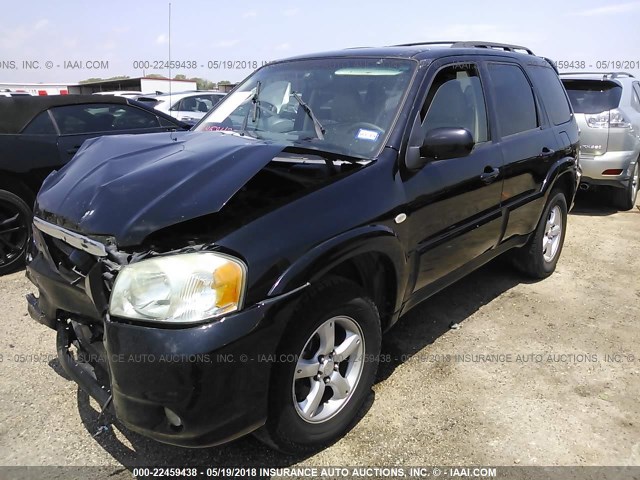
(598, 64)
(194, 64)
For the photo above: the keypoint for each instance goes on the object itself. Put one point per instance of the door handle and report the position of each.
(489, 174)
(547, 152)
(73, 149)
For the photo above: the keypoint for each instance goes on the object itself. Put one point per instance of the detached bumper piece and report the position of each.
(81, 373)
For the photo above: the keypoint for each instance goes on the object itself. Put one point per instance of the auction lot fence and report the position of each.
(325, 472)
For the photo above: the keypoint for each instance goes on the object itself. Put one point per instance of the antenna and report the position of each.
(171, 134)
(170, 82)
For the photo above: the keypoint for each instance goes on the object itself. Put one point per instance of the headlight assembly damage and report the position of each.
(182, 288)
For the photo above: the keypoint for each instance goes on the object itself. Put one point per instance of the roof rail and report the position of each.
(604, 74)
(443, 42)
(471, 44)
(500, 46)
(552, 64)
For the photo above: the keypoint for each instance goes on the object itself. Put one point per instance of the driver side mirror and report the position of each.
(440, 144)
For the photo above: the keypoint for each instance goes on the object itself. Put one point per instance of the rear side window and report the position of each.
(41, 125)
(91, 118)
(515, 104)
(166, 123)
(216, 99)
(593, 96)
(195, 103)
(552, 93)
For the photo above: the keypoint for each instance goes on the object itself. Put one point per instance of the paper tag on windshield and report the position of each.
(370, 135)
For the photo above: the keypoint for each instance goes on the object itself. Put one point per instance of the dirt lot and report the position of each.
(562, 386)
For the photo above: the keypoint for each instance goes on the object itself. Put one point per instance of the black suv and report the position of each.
(238, 277)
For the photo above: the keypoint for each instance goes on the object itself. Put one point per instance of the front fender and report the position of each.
(325, 256)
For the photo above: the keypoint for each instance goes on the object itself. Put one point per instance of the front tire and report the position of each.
(15, 231)
(538, 258)
(625, 198)
(332, 347)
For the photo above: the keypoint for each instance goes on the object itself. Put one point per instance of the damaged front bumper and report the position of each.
(190, 386)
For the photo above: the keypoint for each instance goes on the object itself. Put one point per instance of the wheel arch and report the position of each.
(562, 175)
(567, 183)
(15, 184)
(371, 256)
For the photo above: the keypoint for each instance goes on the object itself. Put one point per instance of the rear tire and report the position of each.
(625, 198)
(334, 339)
(15, 231)
(538, 258)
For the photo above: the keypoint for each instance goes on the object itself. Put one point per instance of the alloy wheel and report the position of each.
(634, 184)
(552, 234)
(13, 233)
(328, 369)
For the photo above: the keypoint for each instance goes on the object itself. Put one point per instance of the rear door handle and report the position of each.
(490, 174)
(547, 152)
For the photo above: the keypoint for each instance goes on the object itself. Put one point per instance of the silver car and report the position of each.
(188, 107)
(607, 109)
(12, 93)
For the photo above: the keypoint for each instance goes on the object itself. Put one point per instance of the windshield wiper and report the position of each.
(316, 123)
(254, 110)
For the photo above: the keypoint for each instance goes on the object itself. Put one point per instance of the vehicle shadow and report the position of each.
(425, 323)
(595, 202)
(418, 329)
(18, 268)
(132, 450)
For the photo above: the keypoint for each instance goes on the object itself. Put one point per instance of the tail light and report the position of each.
(618, 120)
(612, 118)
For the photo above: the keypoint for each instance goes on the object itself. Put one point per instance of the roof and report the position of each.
(428, 50)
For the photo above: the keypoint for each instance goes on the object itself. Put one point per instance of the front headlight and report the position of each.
(183, 288)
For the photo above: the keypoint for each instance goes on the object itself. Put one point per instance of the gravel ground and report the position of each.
(562, 386)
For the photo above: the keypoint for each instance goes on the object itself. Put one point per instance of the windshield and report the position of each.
(593, 96)
(339, 105)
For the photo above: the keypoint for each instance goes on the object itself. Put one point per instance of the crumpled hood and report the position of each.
(129, 186)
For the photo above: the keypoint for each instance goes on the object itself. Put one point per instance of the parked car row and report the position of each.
(12, 93)
(188, 107)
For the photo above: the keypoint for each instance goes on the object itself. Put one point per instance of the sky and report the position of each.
(123, 35)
